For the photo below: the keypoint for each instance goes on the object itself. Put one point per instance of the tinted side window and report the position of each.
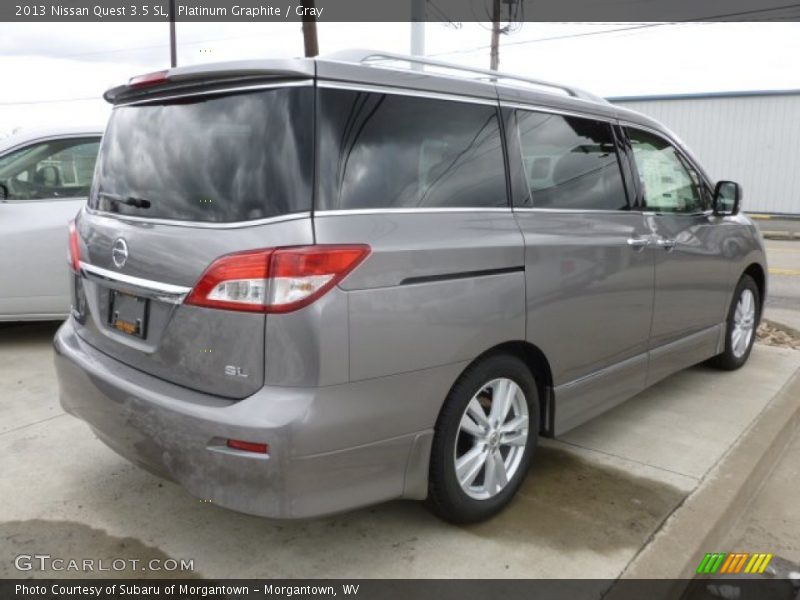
(668, 183)
(59, 168)
(393, 151)
(570, 162)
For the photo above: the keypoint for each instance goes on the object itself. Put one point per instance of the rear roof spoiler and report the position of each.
(182, 78)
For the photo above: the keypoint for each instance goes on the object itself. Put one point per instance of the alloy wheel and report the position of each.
(491, 439)
(744, 319)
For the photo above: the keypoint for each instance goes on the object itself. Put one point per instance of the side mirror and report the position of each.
(727, 196)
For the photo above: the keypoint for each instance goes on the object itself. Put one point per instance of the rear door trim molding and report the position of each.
(200, 224)
(165, 292)
(462, 275)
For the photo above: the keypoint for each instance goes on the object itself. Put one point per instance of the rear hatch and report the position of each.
(182, 180)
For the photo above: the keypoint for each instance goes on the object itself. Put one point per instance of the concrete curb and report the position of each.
(776, 216)
(702, 522)
(778, 231)
(781, 235)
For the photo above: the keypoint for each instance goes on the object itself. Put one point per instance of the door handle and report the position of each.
(638, 243)
(667, 244)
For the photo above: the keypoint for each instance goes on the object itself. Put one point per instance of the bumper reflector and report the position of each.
(248, 446)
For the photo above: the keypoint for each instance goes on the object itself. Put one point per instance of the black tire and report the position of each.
(728, 360)
(446, 498)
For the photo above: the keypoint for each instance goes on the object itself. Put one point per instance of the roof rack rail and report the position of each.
(367, 56)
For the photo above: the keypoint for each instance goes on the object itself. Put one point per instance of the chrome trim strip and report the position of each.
(659, 351)
(381, 89)
(654, 213)
(407, 211)
(604, 372)
(557, 111)
(165, 292)
(591, 211)
(219, 90)
(199, 224)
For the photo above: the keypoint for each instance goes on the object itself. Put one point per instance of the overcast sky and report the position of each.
(55, 73)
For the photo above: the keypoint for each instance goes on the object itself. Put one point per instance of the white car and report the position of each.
(44, 180)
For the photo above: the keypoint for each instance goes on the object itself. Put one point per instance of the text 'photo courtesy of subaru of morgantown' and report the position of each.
(305, 286)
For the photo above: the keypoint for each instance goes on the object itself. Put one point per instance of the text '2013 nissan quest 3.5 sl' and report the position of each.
(305, 286)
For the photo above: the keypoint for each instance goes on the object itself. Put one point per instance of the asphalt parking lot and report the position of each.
(593, 500)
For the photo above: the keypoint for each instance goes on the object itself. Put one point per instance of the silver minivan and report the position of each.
(304, 286)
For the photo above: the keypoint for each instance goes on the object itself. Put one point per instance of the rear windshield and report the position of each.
(236, 157)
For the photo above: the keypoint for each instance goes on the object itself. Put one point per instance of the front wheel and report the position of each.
(484, 440)
(743, 318)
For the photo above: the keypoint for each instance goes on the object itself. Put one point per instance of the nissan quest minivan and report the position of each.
(305, 286)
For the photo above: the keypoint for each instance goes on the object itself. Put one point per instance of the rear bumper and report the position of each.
(313, 467)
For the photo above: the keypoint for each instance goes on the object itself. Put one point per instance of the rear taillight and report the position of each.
(298, 276)
(236, 281)
(275, 280)
(74, 247)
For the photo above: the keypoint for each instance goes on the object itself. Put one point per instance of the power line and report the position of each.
(751, 12)
(552, 38)
(703, 20)
(51, 101)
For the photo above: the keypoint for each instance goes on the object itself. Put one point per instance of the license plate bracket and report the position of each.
(128, 313)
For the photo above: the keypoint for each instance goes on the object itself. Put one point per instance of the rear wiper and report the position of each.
(129, 200)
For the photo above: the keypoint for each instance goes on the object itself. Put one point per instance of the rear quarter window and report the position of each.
(570, 162)
(387, 151)
(221, 158)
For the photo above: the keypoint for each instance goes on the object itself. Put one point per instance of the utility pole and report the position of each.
(173, 51)
(494, 61)
(418, 27)
(310, 41)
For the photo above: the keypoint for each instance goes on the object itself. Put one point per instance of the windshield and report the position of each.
(224, 158)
